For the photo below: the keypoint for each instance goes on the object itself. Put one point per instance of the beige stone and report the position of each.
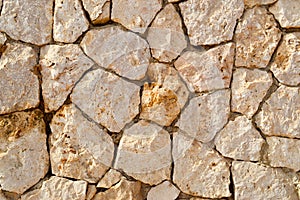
(205, 71)
(112, 48)
(109, 179)
(99, 10)
(91, 192)
(256, 181)
(280, 114)
(19, 85)
(256, 37)
(163, 191)
(27, 20)
(79, 148)
(240, 140)
(3, 38)
(251, 3)
(23, 151)
(61, 67)
(249, 87)
(286, 67)
(211, 22)
(145, 153)
(101, 95)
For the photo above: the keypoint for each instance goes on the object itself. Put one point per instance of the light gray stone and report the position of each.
(3, 38)
(99, 10)
(252, 3)
(163, 191)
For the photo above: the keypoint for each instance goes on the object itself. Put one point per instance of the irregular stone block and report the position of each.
(109, 179)
(99, 10)
(163, 191)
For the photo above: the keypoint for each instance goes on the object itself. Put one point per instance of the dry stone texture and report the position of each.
(91, 191)
(109, 179)
(251, 3)
(163, 191)
(3, 38)
(99, 10)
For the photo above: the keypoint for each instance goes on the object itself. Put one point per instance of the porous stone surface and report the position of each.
(99, 10)
(163, 191)
(109, 179)
(252, 3)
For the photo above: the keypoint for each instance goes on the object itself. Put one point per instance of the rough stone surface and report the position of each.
(215, 19)
(249, 87)
(99, 10)
(205, 115)
(205, 71)
(101, 95)
(286, 66)
(112, 48)
(145, 153)
(27, 20)
(240, 140)
(69, 21)
(284, 152)
(91, 192)
(61, 67)
(19, 86)
(251, 3)
(256, 38)
(280, 114)
(79, 148)
(3, 38)
(255, 181)
(110, 178)
(23, 151)
(135, 15)
(163, 191)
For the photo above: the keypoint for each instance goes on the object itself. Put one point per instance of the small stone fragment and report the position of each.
(112, 48)
(284, 152)
(163, 191)
(69, 21)
(286, 65)
(280, 114)
(252, 3)
(23, 151)
(3, 39)
(61, 68)
(256, 181)
(79, 148)
(99, 10)
(249, 87)
(145, 153)
(91, 192)
(211, 22)
(240, 140)
(110, 178)
(256, 38)
(27, 20)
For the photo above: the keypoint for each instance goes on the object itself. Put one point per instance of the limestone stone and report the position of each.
(79, 148)
(163, 191)
(280, 114)
(205, 71)
(3, 38)
(249, 87)
(205, 115)
(145, 153)
(252, 3)
(91, 192)
(23, 151)
(240, 140)
(27, 20)
(58, 188)
(109, 179)
(256, 38)
(165, 36)
(101, 96)
(69, 21)
(18, 84)
(61, 67)
(284, 152)
(256, 181)
(124, 52)
(135, 15)
(287, 13)
(215, 19)
(286, 67)
(198, 169)
(99, 10)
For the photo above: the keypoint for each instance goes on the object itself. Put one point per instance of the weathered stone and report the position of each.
(27, 20)
(252, 3)
(249, 87)
(198, 169)
(61, 68)
(287, 13)
(205, 115)
(79, 148)
(205, 71)
(123, 52)
(240, 140)
(101, 95)
(284, 152)
(163, 191)
(69, 21)
(99, 10)
(165, 36)
(145, 153)
(211, 22)
(91, 192)
(135, 15)
(110, 178)
(255, 181)
(286, 65)
(3, 38)
(19, 86)
(280, 114)
(23, 151)
(256, 38)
